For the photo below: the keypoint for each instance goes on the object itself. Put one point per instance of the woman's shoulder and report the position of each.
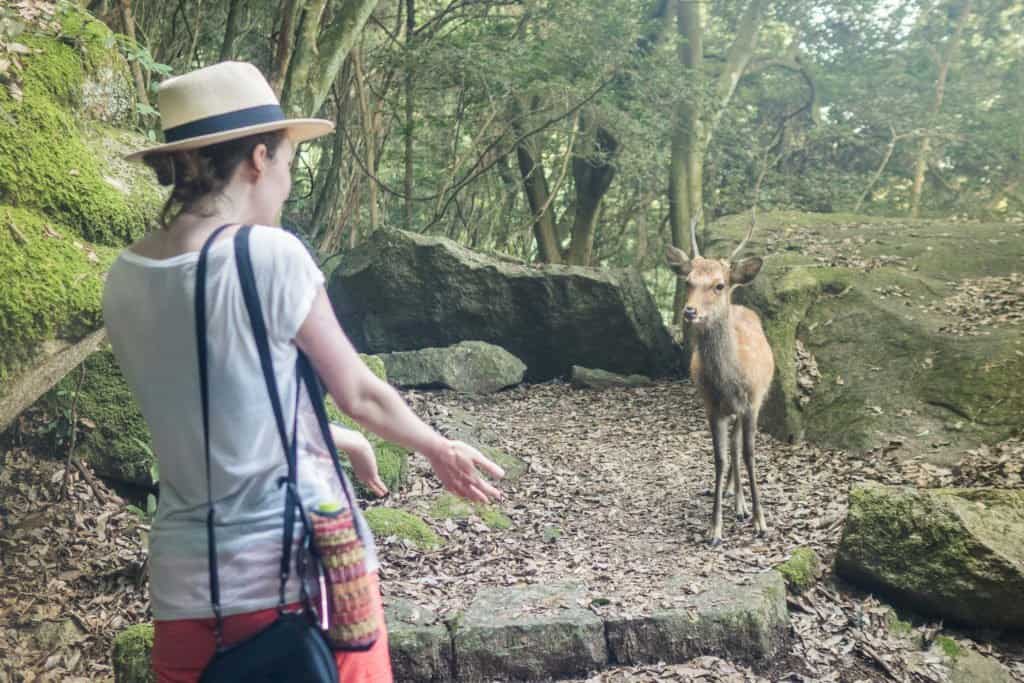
(278, 249)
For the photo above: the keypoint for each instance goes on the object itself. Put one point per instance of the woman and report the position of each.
(227, 158)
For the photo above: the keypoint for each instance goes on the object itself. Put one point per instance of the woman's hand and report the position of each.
(456, 463)
(360, 454)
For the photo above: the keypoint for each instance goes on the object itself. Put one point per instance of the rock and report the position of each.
(530, 633)
(951, 553)
(421, 648)
(459, 425)
(450, 506)
(68, 201)
(801, 571)
(394, 522)
(400, 291)
(472, 367)
(131, 655)
(587, 378)
(970, 666)
(872, 314)
(746, 623)
(114, 438)
(53, 635)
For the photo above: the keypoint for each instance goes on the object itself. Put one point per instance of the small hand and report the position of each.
(361, 456)
(456, 467)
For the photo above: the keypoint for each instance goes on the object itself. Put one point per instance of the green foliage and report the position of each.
(450, 506)
(53, 284)
(385, 522)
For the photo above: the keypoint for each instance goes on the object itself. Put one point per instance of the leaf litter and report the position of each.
(615, 497)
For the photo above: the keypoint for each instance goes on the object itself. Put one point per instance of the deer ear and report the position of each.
(742, 272)
(678, 261)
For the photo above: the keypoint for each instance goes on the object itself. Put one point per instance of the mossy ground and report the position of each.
(865, 297)
(119, 445)
(131, 653)
(801, 570)
(53, 284)
(450, 506)
(393, 522)
(66, 197)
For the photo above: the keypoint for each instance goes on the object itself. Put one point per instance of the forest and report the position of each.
(507, 214)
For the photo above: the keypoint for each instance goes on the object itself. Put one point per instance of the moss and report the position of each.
(130, 654)
(514, 467)
(393, 522)
(950, 553)
(118, 447)
(949, 647)
(48, 161)
(450, 506)
(53, 284)
(801, 570)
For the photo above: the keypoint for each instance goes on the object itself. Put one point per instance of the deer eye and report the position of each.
(719, 287)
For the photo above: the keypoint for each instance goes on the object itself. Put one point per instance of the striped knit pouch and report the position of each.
(347, 601)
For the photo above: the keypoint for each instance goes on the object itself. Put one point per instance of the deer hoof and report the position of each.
(715, 541)
(742, 515)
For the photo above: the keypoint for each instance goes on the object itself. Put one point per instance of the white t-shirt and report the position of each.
(149, 310)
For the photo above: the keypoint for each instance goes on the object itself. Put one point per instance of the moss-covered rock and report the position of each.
(67, 199)
(472, 367)
(393, 522)
(450, 506)
(866, 298)
(953, 553)
(801, 571)
(118, 446)
(130, 655)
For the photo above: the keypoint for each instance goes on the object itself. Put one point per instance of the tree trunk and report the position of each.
(285, 45)
(535, 185)
(687, 162)
(129, 30)
(593, 173)
(227, 47)
(410, 27)
(369, 135)
(940, 90)
(890, 148)
(692, 135)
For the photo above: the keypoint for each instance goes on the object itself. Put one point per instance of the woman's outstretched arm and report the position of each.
(375, 405)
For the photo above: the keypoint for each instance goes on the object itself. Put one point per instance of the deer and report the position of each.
(732, 364)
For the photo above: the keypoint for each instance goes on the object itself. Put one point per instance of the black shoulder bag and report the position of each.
(292, 648)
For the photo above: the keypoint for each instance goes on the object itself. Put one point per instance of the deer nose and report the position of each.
(690, 313)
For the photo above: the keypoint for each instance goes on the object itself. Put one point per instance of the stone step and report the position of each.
(546, 632)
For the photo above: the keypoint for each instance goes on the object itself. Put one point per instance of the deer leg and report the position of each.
(734, 470)
(749, 432)
(720, 443)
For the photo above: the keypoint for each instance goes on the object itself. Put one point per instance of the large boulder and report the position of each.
(951, 553)
(472, 367)
(401, 291)
(68, 201)
(889, 334)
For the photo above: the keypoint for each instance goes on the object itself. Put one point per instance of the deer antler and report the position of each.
(750, 231)
(693, 230)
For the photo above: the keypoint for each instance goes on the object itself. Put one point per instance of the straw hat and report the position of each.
(223, 102)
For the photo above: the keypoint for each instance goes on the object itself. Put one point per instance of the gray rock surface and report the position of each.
(421, 648)
(400, 291)
(593, 378)
(530, 633)
(957, 554)
(745, 623)
(473, 367)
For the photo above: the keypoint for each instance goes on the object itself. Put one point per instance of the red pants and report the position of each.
(182, 648)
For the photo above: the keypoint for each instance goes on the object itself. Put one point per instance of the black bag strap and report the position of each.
(204, 390)
(247, 277)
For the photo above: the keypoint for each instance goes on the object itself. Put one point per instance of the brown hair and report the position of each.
(195, 173)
